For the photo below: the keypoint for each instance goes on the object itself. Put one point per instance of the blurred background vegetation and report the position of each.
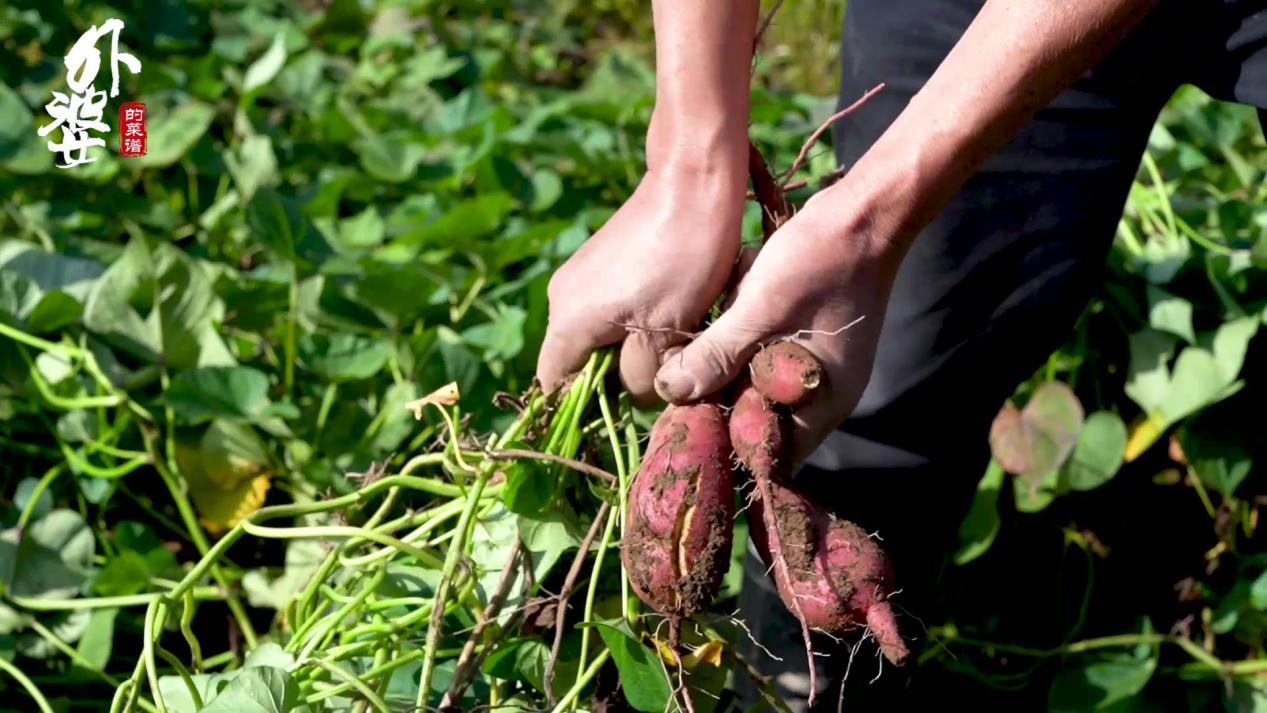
(346, 205)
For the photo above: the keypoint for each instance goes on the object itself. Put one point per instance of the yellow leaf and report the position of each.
(446, 395)
(219, 510)
(1144, 433)
(667, 654)
(709, 653)
(227, 470)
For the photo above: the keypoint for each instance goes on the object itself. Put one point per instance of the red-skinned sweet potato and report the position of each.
(837, 575)
(828, 571)
(680, 515)
(757, 432)
(786, 373)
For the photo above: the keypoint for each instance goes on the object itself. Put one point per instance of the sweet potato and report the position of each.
(829, 573)
(756, 432)
(836, 574)
(786, 373)
(680, 515)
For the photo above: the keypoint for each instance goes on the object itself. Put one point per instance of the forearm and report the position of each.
(703, 68)
(1015, 57)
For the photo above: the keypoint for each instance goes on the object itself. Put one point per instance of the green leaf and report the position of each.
(76, 276)
(464, 222)
(276, 222)
(54, 311)
(253, 165)
(362, 231)
(1195, 383)
(125, 573)
(389, 158)
(1148, 381)
(344, 357)
(264, 590)
(529, 486)
(23, 495)
(1247, 696)
(547, 188)
(1098, 454)
(1103, 681)
(237, 393)
(1168, 313)
(53, 558)
(1032, 497)
(642, 673)
(260, 689)
(97, 641)
(502, 338)
(262, 71)
(174, 133)
(1258, 593)
(981, 524)
(1221, 459)
(67, 626)
(1230, 344)
(22, 150)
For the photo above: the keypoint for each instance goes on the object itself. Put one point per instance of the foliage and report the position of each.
(208, 354)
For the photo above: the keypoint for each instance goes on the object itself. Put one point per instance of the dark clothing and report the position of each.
(991, 287)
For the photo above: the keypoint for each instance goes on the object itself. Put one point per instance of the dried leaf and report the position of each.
(446, 395)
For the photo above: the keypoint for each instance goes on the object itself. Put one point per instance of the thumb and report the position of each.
(711, 361)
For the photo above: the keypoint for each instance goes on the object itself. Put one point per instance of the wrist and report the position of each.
(698, 145)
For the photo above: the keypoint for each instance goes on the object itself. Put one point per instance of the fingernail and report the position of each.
(676, 384)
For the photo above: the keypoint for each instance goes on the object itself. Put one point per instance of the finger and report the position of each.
(846, 361)
(561, 355)
(813, 422)
(743, 264)
(640, 358)
(712, 360)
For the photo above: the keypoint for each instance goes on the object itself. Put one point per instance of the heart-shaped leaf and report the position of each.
(1036, 440)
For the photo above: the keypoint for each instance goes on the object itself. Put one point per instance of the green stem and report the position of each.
(78, 659)
(196, 535)
(292, 317)
(184, 676)
(456, 549)
(1160, 186)
(622, 474)
(31, 689)
(33, 499)
(303, 533)
(31, 340)
(327, 401)
(377, 671)
(128, 600)
(186, 630)
(588, 615)
(153, 624)
(354, 682)
(326, 625)
(582, 681)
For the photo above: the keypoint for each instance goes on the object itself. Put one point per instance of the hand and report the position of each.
(817, 274)
(648, 277)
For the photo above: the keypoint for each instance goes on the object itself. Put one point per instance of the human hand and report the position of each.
(648, 277)
(822, 278)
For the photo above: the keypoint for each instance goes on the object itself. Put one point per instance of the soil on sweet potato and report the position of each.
(798, 537)
(699, 583)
